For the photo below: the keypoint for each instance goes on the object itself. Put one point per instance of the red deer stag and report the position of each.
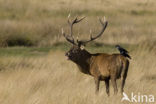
(102, 66)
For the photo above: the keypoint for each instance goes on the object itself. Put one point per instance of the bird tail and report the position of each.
(127, 55)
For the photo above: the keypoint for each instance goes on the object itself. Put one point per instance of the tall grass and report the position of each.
(51, 79)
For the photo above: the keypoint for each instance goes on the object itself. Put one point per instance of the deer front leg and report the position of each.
(97, 83)
(107, 86)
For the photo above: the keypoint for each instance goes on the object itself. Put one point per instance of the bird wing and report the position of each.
(124, 50)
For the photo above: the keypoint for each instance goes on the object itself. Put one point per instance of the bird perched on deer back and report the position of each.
(123, 51)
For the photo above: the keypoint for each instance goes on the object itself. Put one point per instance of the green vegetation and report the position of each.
(93, 47)
(23, 51)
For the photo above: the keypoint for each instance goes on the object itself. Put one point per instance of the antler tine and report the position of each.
(90, 33)
(102, 20)
(76, 20)
(104, 25)
(68, 19)
(69, 40)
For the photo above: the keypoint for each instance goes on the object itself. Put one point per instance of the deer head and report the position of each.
(76, 50)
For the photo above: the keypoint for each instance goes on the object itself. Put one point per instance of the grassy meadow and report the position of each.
(33, 68)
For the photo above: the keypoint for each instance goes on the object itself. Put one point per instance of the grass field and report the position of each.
(33, 68)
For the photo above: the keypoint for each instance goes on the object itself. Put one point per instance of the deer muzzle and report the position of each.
(68, 55)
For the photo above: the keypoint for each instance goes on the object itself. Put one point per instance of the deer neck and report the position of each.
(84, 62)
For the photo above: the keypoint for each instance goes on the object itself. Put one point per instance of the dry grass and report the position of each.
(54, 80)
(51, 79)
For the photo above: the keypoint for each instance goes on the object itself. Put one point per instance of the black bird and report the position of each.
(123, 51)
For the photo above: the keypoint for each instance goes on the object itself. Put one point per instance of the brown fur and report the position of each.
(101, 66)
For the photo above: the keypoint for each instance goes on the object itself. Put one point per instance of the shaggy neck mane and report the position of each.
(83, 62)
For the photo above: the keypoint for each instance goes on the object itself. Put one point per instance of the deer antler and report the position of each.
(76, 20)
(67, 38)
(104, 25)
(70, 38)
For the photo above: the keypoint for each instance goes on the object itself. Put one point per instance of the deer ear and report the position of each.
(82, 47)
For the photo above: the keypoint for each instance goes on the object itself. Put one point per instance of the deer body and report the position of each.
(102, 66)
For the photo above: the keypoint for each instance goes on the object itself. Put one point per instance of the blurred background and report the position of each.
(33, 68)
(39, 23)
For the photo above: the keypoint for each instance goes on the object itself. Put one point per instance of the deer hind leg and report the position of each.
(123, 79)
(97, 83)
(122, 84)
(107, 86)
(113, 80)
(124, 76)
